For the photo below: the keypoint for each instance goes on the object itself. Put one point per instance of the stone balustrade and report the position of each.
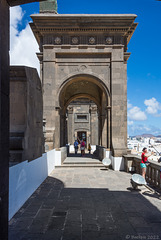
(132, 163)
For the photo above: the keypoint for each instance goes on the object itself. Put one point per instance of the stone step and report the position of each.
(81, 165)
(85, 162)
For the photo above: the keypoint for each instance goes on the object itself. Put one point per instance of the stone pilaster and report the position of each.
(93, 126)
(118, 110)
(109, 127)
(57, 127)
(104, 129)
(70, 125)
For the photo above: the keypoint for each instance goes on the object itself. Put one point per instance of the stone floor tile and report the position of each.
(76, 204)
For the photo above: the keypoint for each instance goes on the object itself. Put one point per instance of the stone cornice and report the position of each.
(80, 24)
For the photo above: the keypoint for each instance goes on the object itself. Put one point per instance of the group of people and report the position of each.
(82, 147)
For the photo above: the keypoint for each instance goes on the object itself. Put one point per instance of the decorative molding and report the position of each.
(70, 110)
(92, 40)
(121, 30)
(93, 109)
(66, 39)
(75, 40)
(57, 40)
(82, 68)
(109, 40)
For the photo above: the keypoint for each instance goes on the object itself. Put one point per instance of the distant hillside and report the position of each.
(145, 136)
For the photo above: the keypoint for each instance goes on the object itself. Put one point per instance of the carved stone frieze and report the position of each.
(82, 40)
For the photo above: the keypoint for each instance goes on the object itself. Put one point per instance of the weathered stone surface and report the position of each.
(48, 6)
(26, 114)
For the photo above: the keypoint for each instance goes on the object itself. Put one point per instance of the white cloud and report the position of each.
(130, 123)
(136, 114)
(129, 105)
(152, 106)
(23, 45)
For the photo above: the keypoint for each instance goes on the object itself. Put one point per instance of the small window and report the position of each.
(82, 117)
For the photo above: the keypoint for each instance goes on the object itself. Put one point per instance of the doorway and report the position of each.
(82, 136)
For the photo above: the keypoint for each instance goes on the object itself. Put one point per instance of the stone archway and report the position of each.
(86, 86)
(73, 47)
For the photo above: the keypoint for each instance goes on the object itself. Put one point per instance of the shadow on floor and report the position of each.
(54, 212)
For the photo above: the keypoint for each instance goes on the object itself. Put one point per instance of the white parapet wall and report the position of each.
(93, 148)
(26, 177)
(117, 163)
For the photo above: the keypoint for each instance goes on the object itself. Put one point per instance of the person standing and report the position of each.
(82, 148)
(89, 148)
(76, 146)
(144, 160)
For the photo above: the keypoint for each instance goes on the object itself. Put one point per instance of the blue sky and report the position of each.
(144, 65)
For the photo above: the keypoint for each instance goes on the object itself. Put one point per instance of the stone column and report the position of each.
(119, 100)
(70, 125)
(57, 128)
(62, 129)
(49, 98)
(108, 127)
(104, 130)
(93, 126)
(4, 118)
(99, 129)
(66, 130)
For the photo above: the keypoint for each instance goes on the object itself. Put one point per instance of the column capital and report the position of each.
(70, 110)
(93, 109)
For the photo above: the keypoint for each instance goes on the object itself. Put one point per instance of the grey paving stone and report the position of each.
(15, 234)
(48, 203)
(40, 222)
(53, 235)
(56, 223)
(87, 210)
(32, 236)
(88, 235)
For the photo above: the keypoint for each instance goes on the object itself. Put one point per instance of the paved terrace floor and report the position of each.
(88, 204)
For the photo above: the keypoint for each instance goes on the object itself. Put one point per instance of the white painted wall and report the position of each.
(58, 158)
(108, 154)
(117, 163)
(71, 148)
(93, 148)
(26, 177)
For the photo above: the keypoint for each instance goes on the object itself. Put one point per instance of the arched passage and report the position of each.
(92, 88)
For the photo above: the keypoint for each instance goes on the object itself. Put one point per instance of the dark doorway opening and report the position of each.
(82, 136)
